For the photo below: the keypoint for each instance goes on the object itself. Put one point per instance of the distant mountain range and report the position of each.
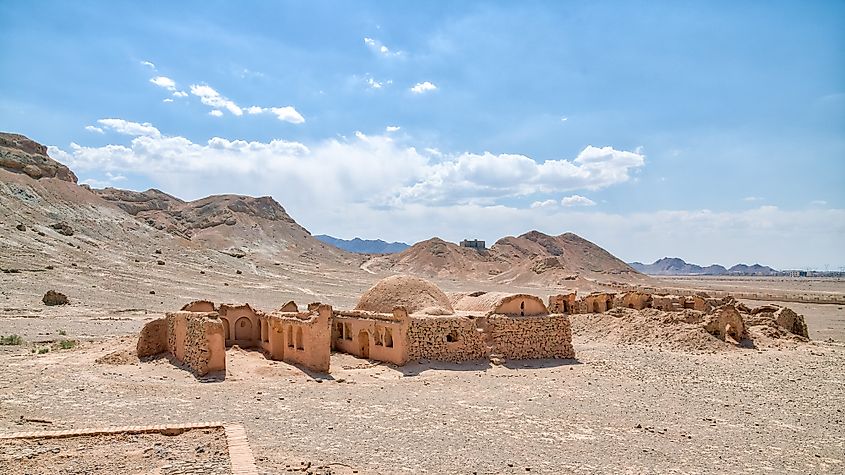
(364, 246)
(677, 266)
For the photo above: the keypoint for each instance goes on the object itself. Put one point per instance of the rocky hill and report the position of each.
(364, 246)
(677, 266)
(235, 224)
(533, 257)
(19, 154)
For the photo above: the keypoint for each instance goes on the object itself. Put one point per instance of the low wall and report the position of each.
(445, 338)
(548, 336)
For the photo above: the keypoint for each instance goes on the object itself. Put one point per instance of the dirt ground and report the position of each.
(194, 451)
(616, 408)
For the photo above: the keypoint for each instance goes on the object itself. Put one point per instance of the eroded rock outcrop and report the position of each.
(19, 154)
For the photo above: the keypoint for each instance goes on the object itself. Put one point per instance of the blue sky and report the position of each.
(714, 131)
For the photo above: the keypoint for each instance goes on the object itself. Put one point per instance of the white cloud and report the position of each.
(392, 128)
(91, 128)
(471, 177)
(564, 119)
(818, 203)
(380, 48)
(576, 200)
(373, 84)
(406, 175)
(180, 94)
(544, 204)
(422, 87)
(285, 114)
(210, 97)
(288, 114)
(752, 199)
(148, 64)
(126, 127)
(166, 101)
(164, 82)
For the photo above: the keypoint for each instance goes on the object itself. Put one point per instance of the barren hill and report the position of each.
(235, 224)
(533, 257)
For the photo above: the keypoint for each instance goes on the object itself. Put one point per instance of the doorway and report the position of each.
(364, 343)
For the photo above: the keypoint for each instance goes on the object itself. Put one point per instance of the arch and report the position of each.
(299, 345)
(388, 338)
(265, 331)
(289, 331)
(364, 343)
(243, 329)
(596, 308)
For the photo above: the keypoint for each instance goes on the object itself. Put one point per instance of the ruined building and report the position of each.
(474, 244)
(398, 320)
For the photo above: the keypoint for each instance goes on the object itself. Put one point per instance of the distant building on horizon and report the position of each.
(474, 244)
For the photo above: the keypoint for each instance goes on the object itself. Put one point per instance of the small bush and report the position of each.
(62, 332)
(41, 351)
(11, 340)
(67, 344)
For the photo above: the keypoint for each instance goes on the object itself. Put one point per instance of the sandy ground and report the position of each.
(628, 409)
(195, 451)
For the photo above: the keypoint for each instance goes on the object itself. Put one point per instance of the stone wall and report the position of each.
(445, 338)
(196, 340)
(548, 336)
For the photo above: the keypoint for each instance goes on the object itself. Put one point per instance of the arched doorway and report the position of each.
(243, 329)
(596, 308)
(364, 343)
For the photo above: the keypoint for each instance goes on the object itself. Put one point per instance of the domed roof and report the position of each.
(413, 293)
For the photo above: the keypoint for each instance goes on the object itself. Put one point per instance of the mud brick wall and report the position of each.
(452, 339)
(197, 341)
(548, 336)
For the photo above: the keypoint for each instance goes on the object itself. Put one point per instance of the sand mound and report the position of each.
(677, 331)
(413, 293)
(691, 330)
(117, 358)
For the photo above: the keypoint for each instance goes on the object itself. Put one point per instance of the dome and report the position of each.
(413, 293)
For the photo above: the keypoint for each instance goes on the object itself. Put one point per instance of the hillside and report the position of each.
(677, 266)
(364, 246)
(235, 224)
(531, 258)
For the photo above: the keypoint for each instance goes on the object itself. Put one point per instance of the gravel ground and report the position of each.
(192, 452)
(614, 409)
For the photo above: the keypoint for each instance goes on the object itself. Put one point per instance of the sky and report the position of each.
(710, 131)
